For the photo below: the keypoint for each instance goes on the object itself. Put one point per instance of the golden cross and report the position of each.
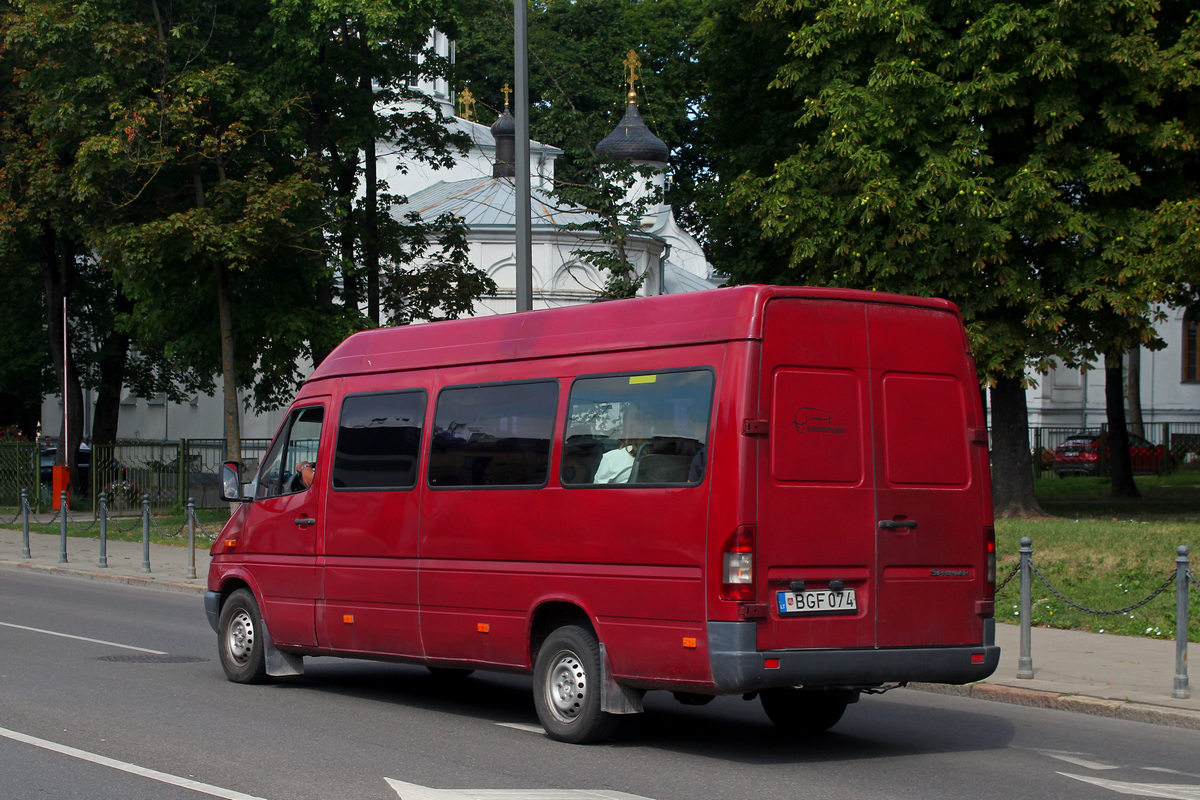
(467, 103)
(507, 91)
(632, 63)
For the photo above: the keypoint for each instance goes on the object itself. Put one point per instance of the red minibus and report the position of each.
(779, 492)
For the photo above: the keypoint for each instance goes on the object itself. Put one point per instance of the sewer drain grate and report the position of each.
(151, 658)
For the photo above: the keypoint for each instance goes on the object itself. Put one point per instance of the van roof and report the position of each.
(717, 315)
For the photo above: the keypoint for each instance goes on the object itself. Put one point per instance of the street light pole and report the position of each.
(524, 254)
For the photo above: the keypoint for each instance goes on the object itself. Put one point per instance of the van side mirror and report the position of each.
(231, 483)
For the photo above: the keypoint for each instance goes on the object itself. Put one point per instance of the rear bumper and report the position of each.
(739, 667)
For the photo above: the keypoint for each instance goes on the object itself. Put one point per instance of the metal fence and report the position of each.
(1180, 443)
(169, 472)
(18, 470)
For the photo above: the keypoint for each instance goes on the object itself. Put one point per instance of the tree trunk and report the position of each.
(232, 413)
(1012, 463)
(1120, 465)
(1133, 391)
(112, 360)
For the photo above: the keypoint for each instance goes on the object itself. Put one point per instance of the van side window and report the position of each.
(494, 435)
(638, 429)
(296, 443)
(379, 441)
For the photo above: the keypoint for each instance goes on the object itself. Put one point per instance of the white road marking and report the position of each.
(83, 639)
(1164, 790)
(1074, 758)
(132, 769)
(523, 726)
(413, 791)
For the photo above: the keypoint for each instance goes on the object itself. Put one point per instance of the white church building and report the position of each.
(480, 189)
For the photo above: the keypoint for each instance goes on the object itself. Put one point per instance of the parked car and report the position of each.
(49, 453)
(1080, 454)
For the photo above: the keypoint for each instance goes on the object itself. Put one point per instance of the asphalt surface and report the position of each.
(1119, 677)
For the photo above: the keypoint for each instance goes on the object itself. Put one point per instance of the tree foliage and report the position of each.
(1026, 160)
(202, 173)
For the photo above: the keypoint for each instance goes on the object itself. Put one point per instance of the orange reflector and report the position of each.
(771, 663)
(976, 658)
(483, 627)
(231, 542)
(689, 641)
(348, 619)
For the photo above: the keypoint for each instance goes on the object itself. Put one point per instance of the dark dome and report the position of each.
(633, 140)
(505, 125)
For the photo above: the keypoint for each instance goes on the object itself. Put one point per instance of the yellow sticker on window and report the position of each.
(635, 379)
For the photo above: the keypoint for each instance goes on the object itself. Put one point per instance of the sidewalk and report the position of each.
(1123, 677)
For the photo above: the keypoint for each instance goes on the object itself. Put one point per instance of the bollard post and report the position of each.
(103, 560)
(1025, 661)
(1181, 690)
(191, 512)
(62, 528)
(145, 533)
(25, 524)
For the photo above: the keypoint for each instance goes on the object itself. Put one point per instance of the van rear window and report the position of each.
(493, 435)
(648, 428)
(379, 441)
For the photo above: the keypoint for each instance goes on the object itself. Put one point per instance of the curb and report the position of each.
(1076, 703)
(110, 577)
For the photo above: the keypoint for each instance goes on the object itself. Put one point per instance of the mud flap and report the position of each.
(279, 663)
(615, 698)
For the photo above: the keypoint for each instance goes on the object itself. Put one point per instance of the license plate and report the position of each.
(820, 601)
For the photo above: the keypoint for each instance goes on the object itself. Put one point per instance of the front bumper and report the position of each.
(738, 666)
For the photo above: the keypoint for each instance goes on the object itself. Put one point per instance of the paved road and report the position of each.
(163, 723)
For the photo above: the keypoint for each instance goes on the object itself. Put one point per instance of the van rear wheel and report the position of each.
(566, 687)
(240, 639)
(802, 710)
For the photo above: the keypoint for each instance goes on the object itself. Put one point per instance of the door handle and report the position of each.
(893, 524)
(305, 521)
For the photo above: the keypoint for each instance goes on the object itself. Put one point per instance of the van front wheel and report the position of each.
(803, 711)
(566, 687)
(240, 639)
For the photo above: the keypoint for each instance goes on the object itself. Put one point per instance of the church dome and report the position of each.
(632, 139)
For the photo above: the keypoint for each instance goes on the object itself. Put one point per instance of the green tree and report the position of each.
(577, 93)
(1010, 157)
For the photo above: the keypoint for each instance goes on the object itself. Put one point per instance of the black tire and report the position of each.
(241, 639)
(566, 687)
(806, 712)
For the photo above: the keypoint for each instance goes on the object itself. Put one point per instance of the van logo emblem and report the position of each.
(814, 420)
(949, 573)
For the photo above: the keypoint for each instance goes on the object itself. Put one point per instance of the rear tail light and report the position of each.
(990, 537)
(737, 565)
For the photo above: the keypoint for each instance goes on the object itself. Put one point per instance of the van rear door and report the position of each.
(866, 483)
(816, 504)
(930, 461)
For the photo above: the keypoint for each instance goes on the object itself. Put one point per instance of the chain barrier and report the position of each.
(134, 524)
(1192, 577)
(1167, 584)
(1008, 578)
